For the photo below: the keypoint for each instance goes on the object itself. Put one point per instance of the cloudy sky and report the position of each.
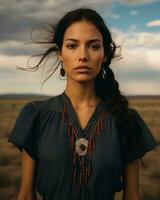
(134, 24)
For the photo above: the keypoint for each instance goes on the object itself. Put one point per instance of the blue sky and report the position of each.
(138, 15)
(135, 25)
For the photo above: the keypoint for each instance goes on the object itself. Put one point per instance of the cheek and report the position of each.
(67, 57)
(98, 59)
(67, 60)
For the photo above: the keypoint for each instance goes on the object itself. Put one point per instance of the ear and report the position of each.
(59, 56)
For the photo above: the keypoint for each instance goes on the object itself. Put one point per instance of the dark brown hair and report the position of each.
(107, 89)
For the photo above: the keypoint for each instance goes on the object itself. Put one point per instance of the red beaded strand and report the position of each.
(82, 165)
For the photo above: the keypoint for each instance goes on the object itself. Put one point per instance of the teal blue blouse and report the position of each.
(42, 129)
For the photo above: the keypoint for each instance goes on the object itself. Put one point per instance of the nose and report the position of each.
(83, 57)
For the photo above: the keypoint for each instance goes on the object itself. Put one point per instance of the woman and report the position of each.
(84, 144)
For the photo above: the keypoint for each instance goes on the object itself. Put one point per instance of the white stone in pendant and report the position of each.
(81, 146)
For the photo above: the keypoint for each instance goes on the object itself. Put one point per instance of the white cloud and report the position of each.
(140, 59)
(18, 81)
(137, 39)
(133, 27)
(11, 47)
(138, 71)
(145, 39)
(153, 23)
(10, 62)
(111, 15)
(115, 16)
(134, 12)
(137, 1)
(153, 58)
(10, 43)
(140, 50)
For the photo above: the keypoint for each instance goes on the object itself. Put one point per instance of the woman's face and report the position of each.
(82, 45)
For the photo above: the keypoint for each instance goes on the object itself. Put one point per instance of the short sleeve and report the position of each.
(25, 131)
(139, 138)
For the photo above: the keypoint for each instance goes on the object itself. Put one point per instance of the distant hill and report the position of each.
(32, 96)
(22, 96)
(143, 96)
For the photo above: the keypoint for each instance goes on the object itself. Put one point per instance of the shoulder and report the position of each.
(138, 138)
(49, 103)
(134, 115)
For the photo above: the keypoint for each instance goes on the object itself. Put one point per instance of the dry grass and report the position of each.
(10, 157)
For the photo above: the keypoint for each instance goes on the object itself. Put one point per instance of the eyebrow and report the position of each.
(90, 41)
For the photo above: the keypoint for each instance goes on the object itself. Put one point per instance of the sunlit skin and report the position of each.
(82, 45)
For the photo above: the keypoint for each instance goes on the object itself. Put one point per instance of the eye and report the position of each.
(95, 47)
(71, 46)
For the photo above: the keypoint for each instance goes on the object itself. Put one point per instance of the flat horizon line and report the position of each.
(43, 95)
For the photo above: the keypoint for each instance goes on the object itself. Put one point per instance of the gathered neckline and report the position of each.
(92, 120)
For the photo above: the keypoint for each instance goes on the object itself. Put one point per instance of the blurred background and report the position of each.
(135, 26)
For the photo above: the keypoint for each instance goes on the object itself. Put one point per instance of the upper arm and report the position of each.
(131, 181)
(27, 187)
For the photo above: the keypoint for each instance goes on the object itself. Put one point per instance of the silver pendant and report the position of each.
(81, 146)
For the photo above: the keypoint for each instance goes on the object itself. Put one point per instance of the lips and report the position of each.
(82, 67)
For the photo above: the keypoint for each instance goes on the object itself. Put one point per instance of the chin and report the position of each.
(84, 79)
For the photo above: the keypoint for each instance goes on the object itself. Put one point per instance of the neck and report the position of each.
(82, 93)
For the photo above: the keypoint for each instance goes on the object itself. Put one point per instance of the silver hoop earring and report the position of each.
(103, 73)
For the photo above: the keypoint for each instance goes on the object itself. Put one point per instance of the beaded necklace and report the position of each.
(82, 141)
